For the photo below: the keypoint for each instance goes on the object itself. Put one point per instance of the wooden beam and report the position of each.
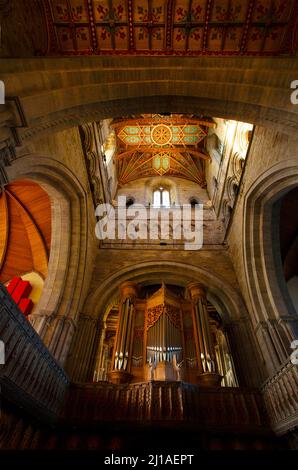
(154, 150)
(4, 227)
(153, 122)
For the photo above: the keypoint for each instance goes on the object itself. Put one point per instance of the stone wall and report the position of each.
(181, 190)
(271, 170)
(57, 164)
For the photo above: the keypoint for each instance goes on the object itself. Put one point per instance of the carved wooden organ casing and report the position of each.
(157, 338)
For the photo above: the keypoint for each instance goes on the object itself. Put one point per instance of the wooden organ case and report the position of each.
(167, 337)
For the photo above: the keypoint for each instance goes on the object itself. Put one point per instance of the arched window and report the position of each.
(193, 201)
(161, 198)
(130, 201)
(109, 147)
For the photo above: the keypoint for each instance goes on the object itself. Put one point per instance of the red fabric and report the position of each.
(26, 306)
(21, 291)
(13, 284)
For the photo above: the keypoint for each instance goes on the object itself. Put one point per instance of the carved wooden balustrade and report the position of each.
(281, 397)
(30, 377)
(218, 408)
(34, 381)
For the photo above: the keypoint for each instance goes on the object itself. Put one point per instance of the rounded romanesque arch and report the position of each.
(227, 299)
(274, 316)
(171, 272)
(55, 314)
(255, 90)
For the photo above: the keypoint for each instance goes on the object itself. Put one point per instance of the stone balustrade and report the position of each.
(30, 377)
(150, 232)
(281, 398)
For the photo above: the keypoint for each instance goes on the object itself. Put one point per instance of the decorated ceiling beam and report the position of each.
(145, 164)
(165, 134)
(170, 150)
(151, 146)
(171, 27)
(171, 120)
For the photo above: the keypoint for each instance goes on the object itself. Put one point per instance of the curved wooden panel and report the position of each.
(25, 230)
(4, 228)
(37, 245)
(38, 204)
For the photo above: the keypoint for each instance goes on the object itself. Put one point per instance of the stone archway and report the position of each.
(64, 290)
(58, 94)
(273, 316)
(233, 309)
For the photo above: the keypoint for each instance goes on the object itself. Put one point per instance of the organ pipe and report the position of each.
(163, 341)
(123, 344)
(206, 352)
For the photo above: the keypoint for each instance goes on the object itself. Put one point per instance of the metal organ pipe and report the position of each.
(128, 335)
(123, 334)
(163, 340)
(210, 357)
(206, 352)
(202, 338)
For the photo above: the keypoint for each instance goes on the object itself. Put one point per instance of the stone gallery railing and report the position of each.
(150, 230)
(30, 377)
(281, 398)
(220, 408)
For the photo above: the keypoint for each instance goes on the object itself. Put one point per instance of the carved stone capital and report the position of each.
(197, 291)
(129, 290)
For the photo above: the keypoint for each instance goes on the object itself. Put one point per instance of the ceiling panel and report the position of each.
(181, 27)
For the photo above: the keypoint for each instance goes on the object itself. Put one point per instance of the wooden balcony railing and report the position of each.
(33, 380)
(281, 398)
(219, 408)
(30, 377)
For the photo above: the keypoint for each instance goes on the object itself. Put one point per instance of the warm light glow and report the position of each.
(161, 198)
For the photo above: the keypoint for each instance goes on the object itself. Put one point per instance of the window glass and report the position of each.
(161, 198)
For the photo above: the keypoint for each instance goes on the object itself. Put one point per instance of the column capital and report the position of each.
(128, 289)
(196, 290)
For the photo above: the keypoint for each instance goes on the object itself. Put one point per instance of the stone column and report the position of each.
(123, 343)
(204, 344)
(100, 353)
(79, 362)
(246, 352)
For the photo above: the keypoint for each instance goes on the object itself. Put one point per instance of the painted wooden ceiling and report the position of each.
(157, 145)
(25, 230)
(179, 27)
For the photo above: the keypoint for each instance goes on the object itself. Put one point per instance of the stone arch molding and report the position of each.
(223, 295)
(274, 317)
(63, 294)
(58, 94)
(171, 272)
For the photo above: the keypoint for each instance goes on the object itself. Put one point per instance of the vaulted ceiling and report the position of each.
(157, 145)
(25, 230)
(182, 27)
